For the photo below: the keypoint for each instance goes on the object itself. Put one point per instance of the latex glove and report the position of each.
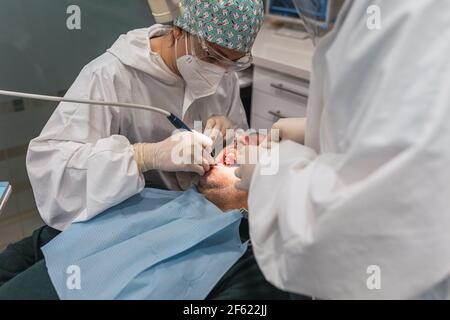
(289, 129)
(217, 126)
(247, 158)
(245, 174)
(183, 151)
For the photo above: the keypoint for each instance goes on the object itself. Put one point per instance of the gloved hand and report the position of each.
(245, 174)
(248, 157)
(289, 129)
(183, 151)
(216, 126)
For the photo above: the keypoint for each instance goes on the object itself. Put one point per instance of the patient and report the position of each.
(218, 187)
(218, 184)
(242, 281)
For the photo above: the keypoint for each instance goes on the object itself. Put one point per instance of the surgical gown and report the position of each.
(374, 203)
(83, 163)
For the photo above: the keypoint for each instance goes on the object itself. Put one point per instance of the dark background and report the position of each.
(39, 53)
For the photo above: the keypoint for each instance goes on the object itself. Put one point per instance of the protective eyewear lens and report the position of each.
(208, 53)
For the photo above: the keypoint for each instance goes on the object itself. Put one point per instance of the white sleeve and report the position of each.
(369, 217)
(318, 233)
(79, 166)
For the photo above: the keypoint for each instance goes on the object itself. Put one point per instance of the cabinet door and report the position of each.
(272, 108)
(280, 85)
(277, 96)
(259, 123)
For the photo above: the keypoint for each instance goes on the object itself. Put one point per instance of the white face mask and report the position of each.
(202, 78)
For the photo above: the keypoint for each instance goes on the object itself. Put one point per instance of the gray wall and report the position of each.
(39, 54)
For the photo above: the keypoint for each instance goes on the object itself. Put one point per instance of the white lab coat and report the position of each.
(82, 163)
(377, 195)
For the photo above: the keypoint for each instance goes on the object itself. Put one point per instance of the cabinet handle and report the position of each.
(277, 114)
(281, 87)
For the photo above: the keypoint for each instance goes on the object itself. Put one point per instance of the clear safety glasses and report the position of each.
(212, 53)
(232, 60)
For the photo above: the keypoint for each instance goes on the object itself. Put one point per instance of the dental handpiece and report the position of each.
(174, 120)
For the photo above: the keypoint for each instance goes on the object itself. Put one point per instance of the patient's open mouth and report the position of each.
(219, 176)
(215, 167)
(228, 156)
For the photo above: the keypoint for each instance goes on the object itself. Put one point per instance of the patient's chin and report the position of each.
(227, 199)
(220, 176)
(218, 187)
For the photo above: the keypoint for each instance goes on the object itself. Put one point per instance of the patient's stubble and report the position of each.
(218, 187)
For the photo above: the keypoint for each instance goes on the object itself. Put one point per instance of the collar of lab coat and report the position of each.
(133, 49)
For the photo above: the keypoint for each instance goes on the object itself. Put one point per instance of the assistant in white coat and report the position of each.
(377, 195)
(83, 161)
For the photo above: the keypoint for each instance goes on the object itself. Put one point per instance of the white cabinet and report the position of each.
(275, 96)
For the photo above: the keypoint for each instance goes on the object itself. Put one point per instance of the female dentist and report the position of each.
(361, 210)
(90, 158)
